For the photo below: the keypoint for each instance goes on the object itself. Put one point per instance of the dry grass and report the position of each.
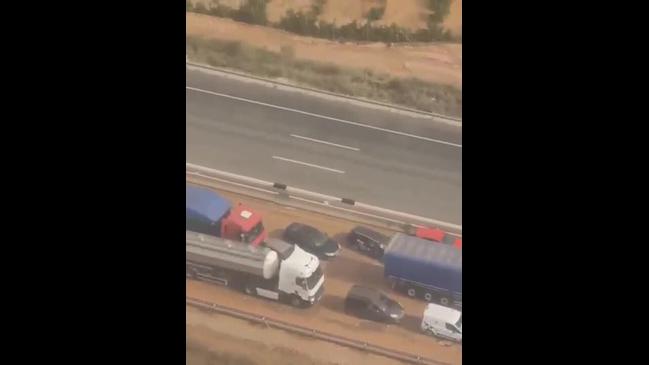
(413, 93)
(438, 63)
(198, 355)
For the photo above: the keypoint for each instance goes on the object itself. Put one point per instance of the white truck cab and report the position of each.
(442, 322)
(300, 274)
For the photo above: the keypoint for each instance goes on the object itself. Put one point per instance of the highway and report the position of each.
(341, 272)
(386, 159)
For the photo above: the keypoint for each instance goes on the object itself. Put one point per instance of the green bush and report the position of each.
(223, 11)
(200, 8)
(440, 8)
(307, 23)
(252, 12)
(396, 85)
(375, 14)
(299, 22)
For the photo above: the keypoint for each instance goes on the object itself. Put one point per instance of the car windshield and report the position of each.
(384, 301)
(459, 324)
(251, 236)
(312, 280)
(318, 238)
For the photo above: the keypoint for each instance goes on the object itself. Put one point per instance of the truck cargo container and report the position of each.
(424, 269)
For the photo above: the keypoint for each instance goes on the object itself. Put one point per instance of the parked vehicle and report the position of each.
(420, 268)
(436, 235)
(277, 270)
(208, 213)
(372, 304)
(311, 240)
(442, 322)
(368, 241)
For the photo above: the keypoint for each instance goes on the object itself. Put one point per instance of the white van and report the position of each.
(442, 322)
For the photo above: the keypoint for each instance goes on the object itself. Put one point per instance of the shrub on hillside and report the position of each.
(253, 12)
(375, 14)
(200, 8)
(307, 23)
(299, 22)
(440, 8)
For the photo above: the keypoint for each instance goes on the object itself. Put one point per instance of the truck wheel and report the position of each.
(412, 292)
(428, 297)
(296, 302)
(444, 301)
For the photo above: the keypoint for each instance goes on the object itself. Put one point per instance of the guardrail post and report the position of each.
(279, 186)
(348, 201)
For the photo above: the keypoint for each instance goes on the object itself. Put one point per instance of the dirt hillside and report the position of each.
(409, 14)
(439, 63)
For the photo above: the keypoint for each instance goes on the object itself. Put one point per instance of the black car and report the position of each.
(311, 240)
(372, 304)
(368, 241)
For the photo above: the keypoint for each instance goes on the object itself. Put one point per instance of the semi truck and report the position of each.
(276, 270)
(209, 213)
(424, 269)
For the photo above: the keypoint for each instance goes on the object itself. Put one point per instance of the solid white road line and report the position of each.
(324, 117)
(308, 164)
(325, 142)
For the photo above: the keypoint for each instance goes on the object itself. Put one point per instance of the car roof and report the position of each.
(299, 227)
(365, 292)
(442, 313)
(303, 230)
(371, 234)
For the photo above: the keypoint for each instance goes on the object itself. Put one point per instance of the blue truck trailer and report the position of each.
(423, 269)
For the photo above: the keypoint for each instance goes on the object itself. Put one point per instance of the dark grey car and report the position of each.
(368, 241)
(311, 240)
(372, 304)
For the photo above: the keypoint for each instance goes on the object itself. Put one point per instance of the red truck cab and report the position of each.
(437, 235)
(209, 213)
(245, 225)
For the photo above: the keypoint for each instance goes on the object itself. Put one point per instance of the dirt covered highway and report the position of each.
(340, 274)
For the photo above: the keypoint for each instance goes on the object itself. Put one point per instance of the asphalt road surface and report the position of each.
(386, 159)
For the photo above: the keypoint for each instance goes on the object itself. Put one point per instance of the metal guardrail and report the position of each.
(448, 118)
(273, 323)
(341, 207)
